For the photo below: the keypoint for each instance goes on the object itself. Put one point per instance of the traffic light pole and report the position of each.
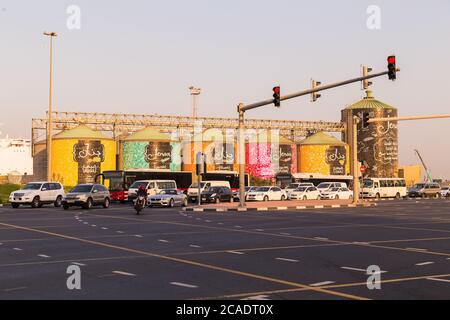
(242, 108)
(355, 171)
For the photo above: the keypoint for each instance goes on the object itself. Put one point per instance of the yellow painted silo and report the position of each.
(79, 154)
(323, 154)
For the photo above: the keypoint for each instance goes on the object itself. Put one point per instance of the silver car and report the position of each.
(168, 198)
(86, 196)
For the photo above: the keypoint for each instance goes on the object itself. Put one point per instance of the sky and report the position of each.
(141, 57)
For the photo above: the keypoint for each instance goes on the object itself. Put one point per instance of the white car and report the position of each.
(327, 186)
(445, 192)
(37, 194)
(337, 194)
(297, 185)
(305, 193)
(267, 194)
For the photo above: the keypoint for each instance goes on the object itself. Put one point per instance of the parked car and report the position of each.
(217, 195)
(37, 194)
(168, 198)
(327, 186)
(445, 192)
(266, 194)
(247, 190)
(153, 187)
(425, 190)
(205, 185)
(305, 193)
(337, 193)
(87, 196)
(297, 185)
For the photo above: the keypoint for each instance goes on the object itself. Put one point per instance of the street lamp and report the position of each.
(50, 120)
(195, 92)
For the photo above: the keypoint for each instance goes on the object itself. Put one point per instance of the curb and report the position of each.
(366, 205)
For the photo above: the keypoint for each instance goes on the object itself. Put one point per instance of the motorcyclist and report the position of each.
(142, 191)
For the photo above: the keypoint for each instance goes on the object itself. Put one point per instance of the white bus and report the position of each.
(384, 188)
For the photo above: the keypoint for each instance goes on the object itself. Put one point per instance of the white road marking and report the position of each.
(238, 227)
(416, 249)
(138, 236)
(424, 263)
(208, 221)
(185, 285)
(194, 246)
(259, 230)
(78, 264)
(86, 222)
(235, 252)
(260, 297)
(357, 242)
(319, 238)
(124, 273)
(287, 260)
(164, 241)
(104, 228)
(437, 279)
(14, 289)
(120, 232)
(93, 225)
(17, 249)
(43, 256)
(321, 284)
(285, 234)
(362, 270)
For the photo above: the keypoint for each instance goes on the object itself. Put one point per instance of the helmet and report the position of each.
(142, 187)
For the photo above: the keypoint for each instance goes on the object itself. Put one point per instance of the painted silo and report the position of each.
(377, 142)
(219, 148)
(267, 158)
(323, 154)
(79, 154)
(150, 149)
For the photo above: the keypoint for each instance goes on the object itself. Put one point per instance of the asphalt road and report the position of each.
(168, 254)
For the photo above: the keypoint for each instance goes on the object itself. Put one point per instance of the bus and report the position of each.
(383, 188)
(119, 181)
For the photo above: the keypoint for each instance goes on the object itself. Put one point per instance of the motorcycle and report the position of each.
(139, 204)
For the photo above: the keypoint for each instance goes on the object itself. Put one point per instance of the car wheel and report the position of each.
(437, 196)
(424, 196)
(397, 196)
(305, 198)
(88, 204)
(36, 203)
(217, 200)
(266, 198)
(377, 196)
(185, 203)
(58, 202)
(171, 203)
(283, 198)
(106, 203)
(318, 197)
(15, 205)
(336, 197)
(231, 199)
(66, 207)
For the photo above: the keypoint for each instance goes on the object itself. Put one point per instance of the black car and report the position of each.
(217, 195)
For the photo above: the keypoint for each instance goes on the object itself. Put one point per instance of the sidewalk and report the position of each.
(277, 206)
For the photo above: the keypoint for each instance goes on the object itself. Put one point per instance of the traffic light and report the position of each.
(315, 95)
(392, 68)
(366, 82)
(277, 96)
(365, 120)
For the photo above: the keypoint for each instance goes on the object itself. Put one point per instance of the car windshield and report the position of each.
(168, 192)
(334, 189)
(138, 184)
(263, 189)
(368, 184)
(419, 186)
(32, 186)
(195, 185)
(81, 189)
(302, 189)
(214, 189)
(293, 186)
(324, 185)
(248, 188)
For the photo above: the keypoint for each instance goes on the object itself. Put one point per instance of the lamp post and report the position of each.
(195, 92)
(50, 120)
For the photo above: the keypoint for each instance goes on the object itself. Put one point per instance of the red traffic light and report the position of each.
(276, 90)
(391, 59)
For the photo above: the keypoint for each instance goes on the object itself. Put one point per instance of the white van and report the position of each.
(153, 187)
(327, 186)
(204, 185)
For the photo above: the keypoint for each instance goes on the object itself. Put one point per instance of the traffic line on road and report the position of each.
(138, 236)
(43, 256)
(320, 284)
(123, 273)
(362, 270)
(440, 280)
(235, 252)
(424, 263)
(194, 246)
(416, 249)
(320, 238)
(120, 232)
(17, 249)
(285, 234)
(14, 289)
(285, 259)
(78, 264)
(104, 228)
(163, 241)
(184, 285)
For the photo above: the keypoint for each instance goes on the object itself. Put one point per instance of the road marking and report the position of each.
(220, 223)
(441, 280)
(14, 289)
(184, 285)
(319, 238)
(124, 273)
(416, 249)
(93, 225)
(259, 230)
(362, 270)
(86, 222)
(238, 227)
(138, 236)
(43, 256)
(194, 246)
(424, 263)
(261, 297)
(104, 228)
(285, 234)
(164, 241)
(363, 243)
(17, 249)
(287, 260)
(208, 221)
(235, 252)
(119, 232)
(78, 264)
(191, 263)
(321, 283)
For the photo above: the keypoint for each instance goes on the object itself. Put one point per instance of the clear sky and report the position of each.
(141, 56)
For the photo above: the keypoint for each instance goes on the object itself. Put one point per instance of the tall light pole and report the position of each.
(195, 92)
(50, 111)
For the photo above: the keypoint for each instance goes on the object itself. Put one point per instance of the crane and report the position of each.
(429, 179)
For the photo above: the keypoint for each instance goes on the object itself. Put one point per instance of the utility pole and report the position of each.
(50, 111)
(195, 92)
(242, 108)
(355, 169)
